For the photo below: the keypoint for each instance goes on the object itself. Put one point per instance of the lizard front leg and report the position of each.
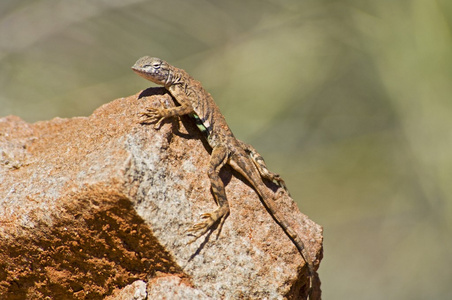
(218, 159)
(157, 115)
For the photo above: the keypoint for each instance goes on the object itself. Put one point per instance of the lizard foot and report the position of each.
(199, 229)
(279, 181)
(279, 193)
(153, 115)
(209, 221)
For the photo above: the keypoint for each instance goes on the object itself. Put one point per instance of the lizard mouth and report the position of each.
(137, 70)
(155, 78)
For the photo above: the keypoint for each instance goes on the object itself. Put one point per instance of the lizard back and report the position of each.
(206, 114)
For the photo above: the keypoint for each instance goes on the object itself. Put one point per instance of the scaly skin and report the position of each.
(226, 149)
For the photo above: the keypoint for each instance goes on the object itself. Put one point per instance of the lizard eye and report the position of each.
(154, 66)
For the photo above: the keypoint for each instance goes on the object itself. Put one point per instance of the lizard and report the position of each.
(196, 102)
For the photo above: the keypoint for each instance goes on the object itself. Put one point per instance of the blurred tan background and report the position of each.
(350, 101)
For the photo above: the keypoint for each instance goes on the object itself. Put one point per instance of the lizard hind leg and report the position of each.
(259, 162)
(218, 159)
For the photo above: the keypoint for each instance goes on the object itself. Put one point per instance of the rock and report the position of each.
(134, 291)
(99, 205)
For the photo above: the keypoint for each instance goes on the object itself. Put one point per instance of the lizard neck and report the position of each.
(206, 113)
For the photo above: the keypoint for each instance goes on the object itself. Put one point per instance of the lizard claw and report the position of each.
(159, 122)
(278, 194)
(199, 229)
(152, 115)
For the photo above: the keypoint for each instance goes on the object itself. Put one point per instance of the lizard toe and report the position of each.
(201, 228)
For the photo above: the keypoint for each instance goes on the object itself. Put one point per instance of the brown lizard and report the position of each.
(226, 149)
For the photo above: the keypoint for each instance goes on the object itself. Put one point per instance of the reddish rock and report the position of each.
(90, 205)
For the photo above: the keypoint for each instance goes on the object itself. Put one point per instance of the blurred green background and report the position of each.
(350, 101)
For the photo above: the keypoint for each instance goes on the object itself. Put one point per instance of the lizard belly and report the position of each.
(212, 137)
(204, 128)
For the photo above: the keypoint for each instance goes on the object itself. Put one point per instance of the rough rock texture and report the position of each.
(134, 291)
(98, 206)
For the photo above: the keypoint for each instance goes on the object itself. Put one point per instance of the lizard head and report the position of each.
(153, 69)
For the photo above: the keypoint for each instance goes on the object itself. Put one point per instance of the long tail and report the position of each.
(270, 205)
